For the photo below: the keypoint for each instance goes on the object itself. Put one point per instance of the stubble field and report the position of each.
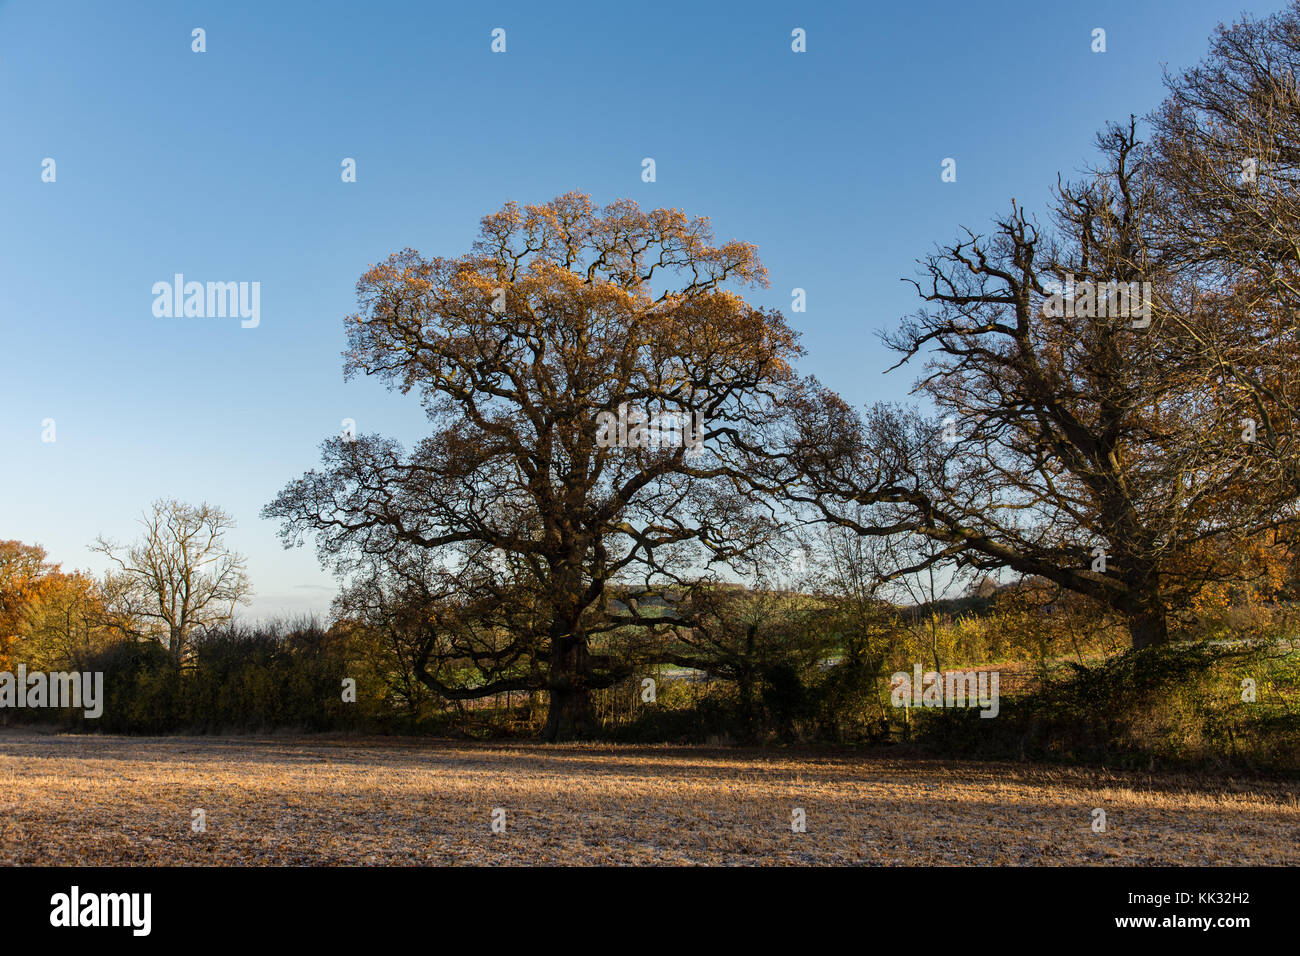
(347, 801)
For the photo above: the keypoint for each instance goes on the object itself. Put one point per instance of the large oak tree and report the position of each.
(506, 527)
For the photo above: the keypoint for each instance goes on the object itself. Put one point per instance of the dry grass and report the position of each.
(119, 800)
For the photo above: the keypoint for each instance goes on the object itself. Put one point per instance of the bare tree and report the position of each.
(1077, 439)
(178, 577)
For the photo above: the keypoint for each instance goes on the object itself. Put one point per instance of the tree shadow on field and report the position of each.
(810, 767)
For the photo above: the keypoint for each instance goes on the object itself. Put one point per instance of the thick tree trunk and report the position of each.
(1146, 612)
(1148, 627)
(569, 683)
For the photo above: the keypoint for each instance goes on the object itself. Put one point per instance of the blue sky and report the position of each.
(225, 166)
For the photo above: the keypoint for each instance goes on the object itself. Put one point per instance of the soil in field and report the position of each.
(327, 801)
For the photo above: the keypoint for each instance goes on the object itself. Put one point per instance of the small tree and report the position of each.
(66, 625)
(768, 643)
(178, 577)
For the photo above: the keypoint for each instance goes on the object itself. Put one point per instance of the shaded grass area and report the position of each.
(1214, 707)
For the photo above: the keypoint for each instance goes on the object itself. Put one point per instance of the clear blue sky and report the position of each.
(225, 166)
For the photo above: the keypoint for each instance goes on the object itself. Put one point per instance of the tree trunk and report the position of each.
(1148, 627)
(745, 691)
(1147, 624)
(569, 683)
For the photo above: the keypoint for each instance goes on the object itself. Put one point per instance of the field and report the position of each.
(340, 801)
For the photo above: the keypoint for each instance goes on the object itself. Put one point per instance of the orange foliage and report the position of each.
(24, 575)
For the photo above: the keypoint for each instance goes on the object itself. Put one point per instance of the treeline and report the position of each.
(765, 667)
